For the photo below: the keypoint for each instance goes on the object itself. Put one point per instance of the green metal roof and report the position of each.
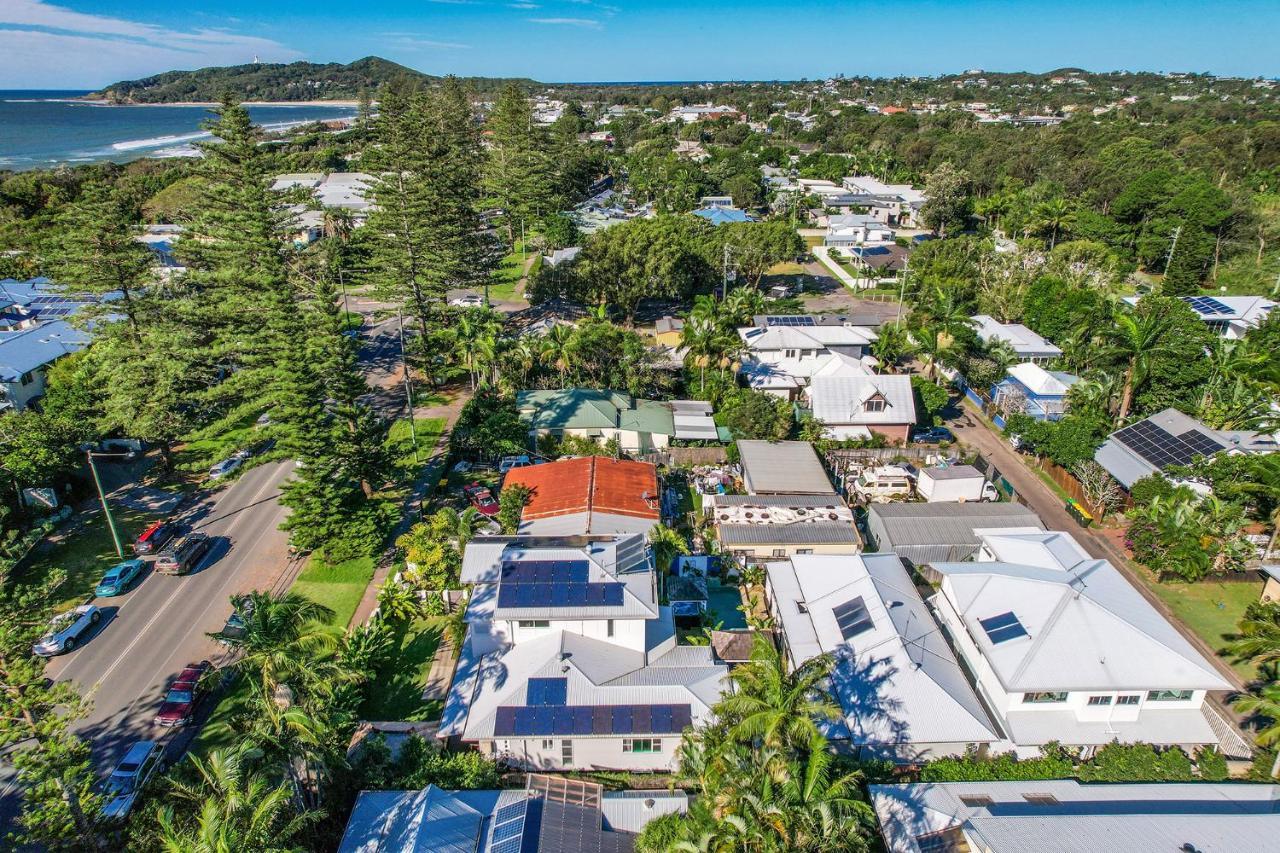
(587, 408)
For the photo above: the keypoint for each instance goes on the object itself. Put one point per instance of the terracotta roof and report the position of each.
(594, 484)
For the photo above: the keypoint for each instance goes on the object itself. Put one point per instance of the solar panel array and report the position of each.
(545, 571)
(508, 828)
(554, 583)
(1002, 628)
(1162, 448)
(791, 320)
(56, 306)
(547, 691)
(853, 618)
(1206, 305)
(543, 721)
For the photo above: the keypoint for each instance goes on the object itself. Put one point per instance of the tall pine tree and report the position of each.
(520, 173)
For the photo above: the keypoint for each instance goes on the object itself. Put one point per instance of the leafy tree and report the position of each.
(755, 415)
(947, 199)
(37, 448)
(489, 426)
(646, 258)
(931, 399)
(511, 503)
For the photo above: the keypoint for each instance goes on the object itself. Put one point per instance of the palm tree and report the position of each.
(742, 304)
(704, 340)
(557, 349)
(892, 346)
(1265, 705)
(1258, 638)
(227, 806)
(781, 709)
(476, 341)
(283, 637)
(302, 740)
(1054, 215)
(1001, 352)
(398, 602)
(1137, 341)
(666, 544)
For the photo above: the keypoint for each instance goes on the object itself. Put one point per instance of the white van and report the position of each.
(883, 484)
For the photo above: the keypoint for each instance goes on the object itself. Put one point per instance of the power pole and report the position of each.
(408, 388)
(1168, 261)
(106, 508)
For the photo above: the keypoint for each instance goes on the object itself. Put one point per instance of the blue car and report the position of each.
(118, 578)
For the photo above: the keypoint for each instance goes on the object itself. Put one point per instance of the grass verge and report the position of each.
(1209, 608)
(396, 692)
(400, 444)
(339, 586)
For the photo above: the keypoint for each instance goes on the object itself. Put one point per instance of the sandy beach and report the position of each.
(335, 103)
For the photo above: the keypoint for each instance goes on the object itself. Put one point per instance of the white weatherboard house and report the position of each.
(1026, 344)
(901, 690)
(782, 359)
(569, 660)
(1064, 649)
(855, 406)
(1229, 316)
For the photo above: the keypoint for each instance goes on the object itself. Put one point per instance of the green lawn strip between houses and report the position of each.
(396, 692)
(1212, 609)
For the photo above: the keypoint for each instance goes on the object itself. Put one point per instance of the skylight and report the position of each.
(1002, 628)
(853, 618)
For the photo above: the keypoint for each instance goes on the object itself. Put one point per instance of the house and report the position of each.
(922, 533)
(695, 421)
(591, 494)
(754, 528)
(721, 214)
(853, 406)
(716, 201)
(640, 426)
(1066, 816)
(570, 662)
(902, 694)
(892, 204)
(668, 330)
(880, 259)
(34, 333)
(560, 257)
(1063, 649)
(1026, 344)
(1170, 438)
(856, 229)
(161, 239)
(782, 468)
(549, 815)
(1229, 316)
(1031, 390)
(702, 112)
(782, 357)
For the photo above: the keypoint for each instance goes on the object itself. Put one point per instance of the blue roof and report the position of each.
(721, 215)
(30, 349)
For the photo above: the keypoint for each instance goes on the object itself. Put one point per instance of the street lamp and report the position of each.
(102, 496)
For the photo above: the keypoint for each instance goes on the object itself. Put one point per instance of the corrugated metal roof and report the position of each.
(894, 525)
(809, 533)
(783, 467)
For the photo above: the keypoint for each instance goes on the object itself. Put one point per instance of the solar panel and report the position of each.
(790, 320)
(1162, 449)
(547, 691)
(560, 594)
(1208, 305)
(852, 618)
(523, 720)
(546, 571)
(508, 828)
(1002, 628)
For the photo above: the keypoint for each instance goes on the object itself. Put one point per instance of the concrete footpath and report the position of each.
(822, 253)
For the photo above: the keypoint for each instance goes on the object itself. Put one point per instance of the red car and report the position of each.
(151, 540)
(481, 498)
(184, 695)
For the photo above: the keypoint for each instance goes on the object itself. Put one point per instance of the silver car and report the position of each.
(124, 784)
(67, 629)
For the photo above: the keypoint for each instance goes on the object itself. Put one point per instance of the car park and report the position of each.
(183, 555)
(143, 760)
(481, 498)
(67, 630)
(117, 579)
(184, 695)
(154, 537)
(932, 435)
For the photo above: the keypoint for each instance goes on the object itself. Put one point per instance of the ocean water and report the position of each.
(40, 129)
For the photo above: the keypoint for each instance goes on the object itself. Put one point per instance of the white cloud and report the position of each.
(524, 5)
(52, 46)
(587, 23)
(419, 40)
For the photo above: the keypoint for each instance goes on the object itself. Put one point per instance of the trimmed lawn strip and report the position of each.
(400, 444)
(502, 285)
(84, 554)
(396, 691)
(1211, 609)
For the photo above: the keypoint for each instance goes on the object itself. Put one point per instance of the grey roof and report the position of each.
(810, 533)
(952, 472)
(927, 532)
(831, 501)
(789, 467)
(1137, 818)
(840, 399)
(30, 349)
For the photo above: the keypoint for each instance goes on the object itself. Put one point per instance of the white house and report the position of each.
(570, 662)
(34, 333)
(1064, 649)
(1228, 316)
(1026, 344)
(900, 688)
(892, 204)
(855, 406)
(856, 229)
(782, 359)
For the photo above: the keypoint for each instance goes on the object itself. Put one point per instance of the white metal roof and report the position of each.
(1041, 382)
(840, 399)
(1024, 341)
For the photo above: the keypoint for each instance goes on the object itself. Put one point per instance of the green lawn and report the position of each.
(1213, 610)
(338, 587)
(198, 454)
(396, 692)
(84, 555)
(502, 285)
(400, 443)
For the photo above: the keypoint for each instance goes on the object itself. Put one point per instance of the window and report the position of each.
(779, 552)
(1168, 695)
(790, 353)
(875, 404)
(804, 550)
(608, 628)
(534, 623)
(801, 606)
(566, 752)
(1099, 700)
(1041, 799)
(548, 745)
(1002, 628)
(976, 801)
(1036, 698)
(27, 378)
(640, 745)
(852, 618)
(1127, 700)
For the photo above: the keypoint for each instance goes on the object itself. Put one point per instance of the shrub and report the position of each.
(1212, 765)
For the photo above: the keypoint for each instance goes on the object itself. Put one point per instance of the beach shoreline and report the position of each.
(334, 103)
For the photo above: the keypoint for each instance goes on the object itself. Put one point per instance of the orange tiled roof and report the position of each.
(594, 484)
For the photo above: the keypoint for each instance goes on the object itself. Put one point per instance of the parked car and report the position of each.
(228, 465)
(117, 579)
(509, 462)
(242, 608)
(184, 695)
(469, 300)
(183, 555)
(154, 537)
(481, 498)
(66, 630)
(143, 760)
(932, 435)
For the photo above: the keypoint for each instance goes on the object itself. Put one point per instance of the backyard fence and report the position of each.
(674, 457)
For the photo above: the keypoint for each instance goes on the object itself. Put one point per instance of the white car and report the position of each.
(66, 630)
(228, 465)
(124, 784)
(469, 300)
(509, 462)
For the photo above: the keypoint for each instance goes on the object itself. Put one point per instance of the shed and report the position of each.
(783, 467)
(940, 532)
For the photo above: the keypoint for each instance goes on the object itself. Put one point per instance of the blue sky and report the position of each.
(87, 43)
